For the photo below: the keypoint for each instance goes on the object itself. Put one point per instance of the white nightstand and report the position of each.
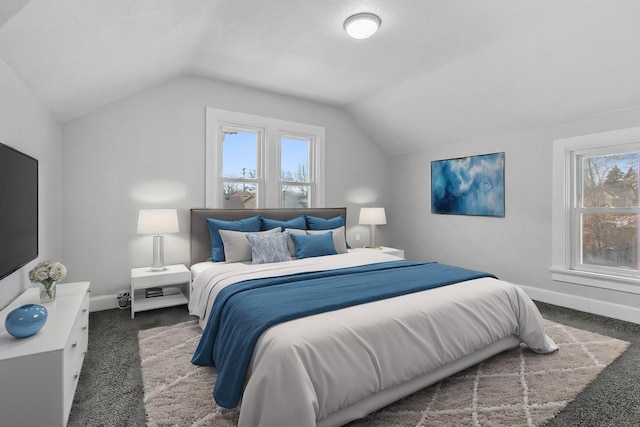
(143, 278)
(387, 250)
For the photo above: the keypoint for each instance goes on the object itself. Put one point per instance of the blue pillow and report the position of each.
(316, 223)
(299, 223)
(267, 248)
(312, 245)
(217, 247)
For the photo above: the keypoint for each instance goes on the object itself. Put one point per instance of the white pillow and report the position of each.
(292, 247)
(236, 245)
(339, 241)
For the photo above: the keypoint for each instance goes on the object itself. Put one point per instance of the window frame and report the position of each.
(312, 166)
(260, 148)
(565, 212)
(578, 210)
(268, 173)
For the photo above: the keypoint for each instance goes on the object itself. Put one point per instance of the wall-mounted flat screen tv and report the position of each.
(18, 209)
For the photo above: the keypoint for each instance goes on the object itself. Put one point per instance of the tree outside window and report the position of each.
(608, 210)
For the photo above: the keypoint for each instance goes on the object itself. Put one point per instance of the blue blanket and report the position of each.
(244, 310)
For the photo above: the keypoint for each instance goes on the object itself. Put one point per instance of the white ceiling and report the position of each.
(436, 72)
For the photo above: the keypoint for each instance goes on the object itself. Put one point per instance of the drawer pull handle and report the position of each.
(84, 328)
(84, 310)
(74, 345)
(76, 376)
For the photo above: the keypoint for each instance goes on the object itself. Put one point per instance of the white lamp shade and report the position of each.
(158, 221)
(372, 216)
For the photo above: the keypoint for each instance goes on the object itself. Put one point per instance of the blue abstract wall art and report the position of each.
(471, 185)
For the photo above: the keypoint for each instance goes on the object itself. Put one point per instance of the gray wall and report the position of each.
(147, 151)
(27, 126)
(517, 248)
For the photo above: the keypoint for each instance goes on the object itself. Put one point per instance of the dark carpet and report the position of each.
(110, 389)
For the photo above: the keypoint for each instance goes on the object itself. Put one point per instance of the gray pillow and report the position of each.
(269, 248)
(236, 245)
(339, 240)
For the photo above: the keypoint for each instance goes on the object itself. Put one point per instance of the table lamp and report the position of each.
(157, 222)
(372, 217)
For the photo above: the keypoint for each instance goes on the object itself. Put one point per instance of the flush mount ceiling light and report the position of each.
(362, 25)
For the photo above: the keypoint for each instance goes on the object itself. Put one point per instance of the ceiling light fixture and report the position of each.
(362, 25)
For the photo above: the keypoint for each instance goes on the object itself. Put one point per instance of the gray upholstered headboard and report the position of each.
(201, 242)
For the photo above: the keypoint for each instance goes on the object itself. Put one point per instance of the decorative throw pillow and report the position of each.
(338, 238)
(268, 248)
(217, 247)
(312, 245)
(292, 247)
(236, 245)
(316, 223)
(299, 223)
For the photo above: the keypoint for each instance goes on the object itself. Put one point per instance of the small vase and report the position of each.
(47, 293)
(25, 320)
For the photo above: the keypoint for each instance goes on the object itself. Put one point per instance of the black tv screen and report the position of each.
(18, 209)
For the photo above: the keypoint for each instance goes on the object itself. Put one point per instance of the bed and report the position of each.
(329, 368)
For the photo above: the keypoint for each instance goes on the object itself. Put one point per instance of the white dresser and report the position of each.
(39, 373)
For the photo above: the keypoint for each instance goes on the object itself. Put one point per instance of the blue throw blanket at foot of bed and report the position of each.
(244, 310)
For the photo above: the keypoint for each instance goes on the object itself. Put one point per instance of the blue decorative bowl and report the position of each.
(25, 320)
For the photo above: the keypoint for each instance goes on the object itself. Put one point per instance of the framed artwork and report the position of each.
(471, 185)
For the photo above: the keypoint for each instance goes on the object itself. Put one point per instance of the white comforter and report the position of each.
(306, 369)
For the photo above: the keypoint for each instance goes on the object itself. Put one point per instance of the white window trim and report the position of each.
(561, 222)
(268, 155)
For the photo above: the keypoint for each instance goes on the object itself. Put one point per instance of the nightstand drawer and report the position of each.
(160, 280)
(393, 251)
(385, 250)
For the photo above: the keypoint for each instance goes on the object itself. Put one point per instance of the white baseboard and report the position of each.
(103, 302)
(602, 308)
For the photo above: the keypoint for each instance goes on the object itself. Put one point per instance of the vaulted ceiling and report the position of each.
(436, 72)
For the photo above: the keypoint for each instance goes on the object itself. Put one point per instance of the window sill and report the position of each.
(597, 280)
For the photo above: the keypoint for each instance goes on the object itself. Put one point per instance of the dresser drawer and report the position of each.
(75, 351)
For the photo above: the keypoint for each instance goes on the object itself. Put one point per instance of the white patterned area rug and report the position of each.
(514, 388)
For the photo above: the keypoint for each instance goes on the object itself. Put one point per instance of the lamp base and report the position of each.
(158, 253)
(373, 244)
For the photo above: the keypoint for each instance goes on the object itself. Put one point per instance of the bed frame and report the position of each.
(199, 234)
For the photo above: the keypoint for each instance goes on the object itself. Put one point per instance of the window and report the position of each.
(295, 185)
(596, 212)
(257, 162)
(240, 182)
(605, 226)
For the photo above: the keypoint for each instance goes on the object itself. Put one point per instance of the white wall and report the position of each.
(516, 248)
(147, 151)
(27, 126)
